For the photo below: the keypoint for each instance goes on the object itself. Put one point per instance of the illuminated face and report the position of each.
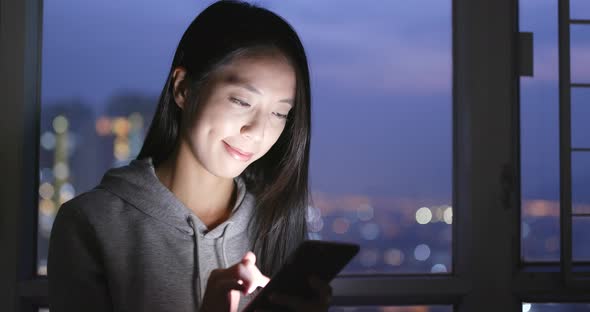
(243, 113)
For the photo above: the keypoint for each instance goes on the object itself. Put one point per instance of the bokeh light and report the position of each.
(448, 215)
(365, 212)
(48, 140)
(46, 190)
(370, 231)
(439, 268)
(422, 252)
(60, 124)
(340, 225)
(61, 171)
(103, 126)
(394, 257)
(423, 215)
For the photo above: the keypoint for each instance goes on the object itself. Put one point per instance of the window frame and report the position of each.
(486, 170)
(572, 278)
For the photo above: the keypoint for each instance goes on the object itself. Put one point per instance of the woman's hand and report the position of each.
(323, 295)
(225, 285)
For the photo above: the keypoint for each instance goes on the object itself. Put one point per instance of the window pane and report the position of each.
(580, 233)
(581, 182)
(393, 309)
(539, 96)
(580, 53)
(580, 117)
(555, 307)
(580, 9)
(382, 108)
(381, 146)
(581, 205)
(100, 86)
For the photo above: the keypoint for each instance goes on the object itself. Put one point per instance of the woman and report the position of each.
(217, 197)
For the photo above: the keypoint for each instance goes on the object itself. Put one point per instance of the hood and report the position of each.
(138, 185)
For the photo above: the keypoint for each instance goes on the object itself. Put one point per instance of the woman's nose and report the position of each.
(254, 128)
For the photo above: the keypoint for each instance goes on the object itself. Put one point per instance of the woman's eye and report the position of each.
(239, 102)
(282, 116)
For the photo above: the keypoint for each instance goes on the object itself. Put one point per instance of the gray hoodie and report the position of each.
(130, 245)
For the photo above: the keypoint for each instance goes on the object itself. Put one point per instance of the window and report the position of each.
(485, 273)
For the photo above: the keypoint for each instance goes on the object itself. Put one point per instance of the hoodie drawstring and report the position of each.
(197, 279)
(224, 257)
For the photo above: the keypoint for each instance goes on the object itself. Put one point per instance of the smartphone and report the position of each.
(321, 259)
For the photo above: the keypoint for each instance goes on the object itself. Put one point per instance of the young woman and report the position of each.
(217, 197)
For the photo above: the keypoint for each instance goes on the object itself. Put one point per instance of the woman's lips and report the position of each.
(237, 154)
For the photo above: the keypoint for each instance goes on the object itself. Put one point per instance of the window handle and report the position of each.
(525, 54)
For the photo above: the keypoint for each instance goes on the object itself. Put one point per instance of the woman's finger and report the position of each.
(257, 278)
(249, 257)
(234, 300)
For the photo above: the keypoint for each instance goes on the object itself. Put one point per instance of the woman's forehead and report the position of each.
(249, 72)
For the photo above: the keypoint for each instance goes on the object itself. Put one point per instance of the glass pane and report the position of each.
(580, 235)
(382, 89)
(555, 307)
(385, 71)
(581, 182)
(580, 53)
(539, 98)
(580, 117)
(580, 9)
(93, 115)
(393, 309)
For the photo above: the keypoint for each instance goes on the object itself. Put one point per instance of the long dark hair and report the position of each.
(279, 179)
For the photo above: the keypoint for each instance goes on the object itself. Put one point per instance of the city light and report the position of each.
(422, 252)
(46, 174)
(61, 171)
(60, 124)
(340, 225)
(66, 192)
(48, 140)
(365, 212)
(136, 121)
(448, 215)
(394, 257)
(46, 206)
(526, 307)
(46, 190)
(121, 150)
(368, 257)
(103, 126)
(370, 231)
(121, 127)
(438, 268)
(316, 225)
(423, 215)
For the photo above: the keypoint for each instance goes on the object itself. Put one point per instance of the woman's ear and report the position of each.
(180, 87)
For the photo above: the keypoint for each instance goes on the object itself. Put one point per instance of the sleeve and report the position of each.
(77, 280)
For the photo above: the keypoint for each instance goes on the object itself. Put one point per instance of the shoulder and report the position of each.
(95, 207)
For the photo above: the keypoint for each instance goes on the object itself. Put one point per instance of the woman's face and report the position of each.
(242, 114)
